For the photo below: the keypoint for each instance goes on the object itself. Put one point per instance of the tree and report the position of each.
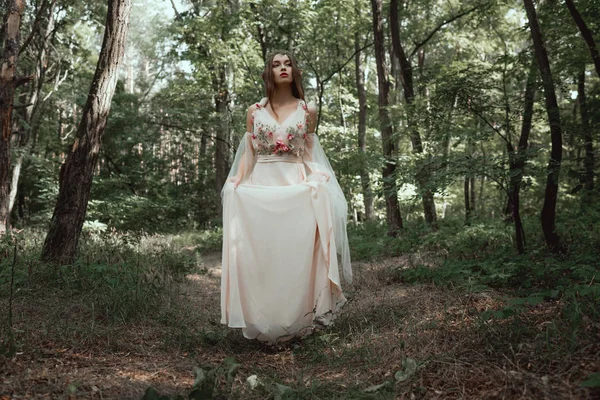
(32, 108)
(586, 33)
(394, 219)
(10, 33)
(362, 124)
(587, 133)
(409, 96)
(517, 159)
(548, 215)
(76, 173)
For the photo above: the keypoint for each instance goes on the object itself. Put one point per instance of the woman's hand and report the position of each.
(235, 180)
(322, 176)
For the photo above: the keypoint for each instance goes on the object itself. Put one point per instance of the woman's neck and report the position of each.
(283, 95)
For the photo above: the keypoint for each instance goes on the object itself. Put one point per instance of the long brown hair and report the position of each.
(269, 79)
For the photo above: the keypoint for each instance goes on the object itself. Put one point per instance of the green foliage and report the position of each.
(123, 277)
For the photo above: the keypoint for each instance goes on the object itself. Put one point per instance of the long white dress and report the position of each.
(280, 273)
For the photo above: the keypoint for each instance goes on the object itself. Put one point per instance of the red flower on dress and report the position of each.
(304, 136)
(290, 136)
(270, 134)
(253, 136)
(281, 147)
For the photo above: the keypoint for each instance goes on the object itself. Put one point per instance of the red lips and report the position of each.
(283, 75)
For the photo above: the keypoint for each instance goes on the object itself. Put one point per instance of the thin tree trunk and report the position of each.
(466, 197)
(394, 219)
(362, 130)
(586, 33)
(473, 201)
(11, 25)
(587, 134)
(573, 149)
(30, 112)
(406, 70)
(76, 173)
(518, 159)
(222, 143)
(548, 215)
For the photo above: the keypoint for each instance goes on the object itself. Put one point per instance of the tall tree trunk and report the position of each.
(586, 33)
(222, 136)
(473, 195)
(32, 110)
(548, 215)
(406, 73)
(518, 159)
(76, 173)
(362, 130)
(10, 34)
(467, 199)
(587, 134)
(394, 219)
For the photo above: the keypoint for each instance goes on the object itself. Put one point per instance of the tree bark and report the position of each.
(467, 199)
(30, 112)
(11, 25)
(76, 173)
(586, 33)
(362, 130)
(548, 215)
(517, 159)
(406, 73)
(394, 219)
(587, 134)
(222, 134)
(473, 201)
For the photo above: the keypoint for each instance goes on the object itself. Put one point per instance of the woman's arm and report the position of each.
(309, 159)
(310, 131)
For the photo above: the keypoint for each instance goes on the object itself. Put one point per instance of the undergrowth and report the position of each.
(125, 277)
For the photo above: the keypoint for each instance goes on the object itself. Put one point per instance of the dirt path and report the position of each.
(65, 353)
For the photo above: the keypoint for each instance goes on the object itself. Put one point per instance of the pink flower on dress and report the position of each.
(290, 136)
(281, 147)
(304, 106)
(270, 134)
(300, 126)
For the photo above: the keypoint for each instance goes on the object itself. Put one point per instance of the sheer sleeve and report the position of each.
(319, 167)
(243, 163)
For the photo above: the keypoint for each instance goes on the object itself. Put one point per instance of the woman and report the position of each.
(284, 218)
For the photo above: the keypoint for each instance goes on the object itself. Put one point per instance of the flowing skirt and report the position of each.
(280, 270)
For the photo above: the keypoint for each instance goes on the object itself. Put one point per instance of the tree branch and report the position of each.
(441, 25)
(17, 106)
(488, 123)
(34, 27)
(340, 67)
(177, 15)
(23, 80)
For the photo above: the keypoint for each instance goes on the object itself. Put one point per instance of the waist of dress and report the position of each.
(278, 158)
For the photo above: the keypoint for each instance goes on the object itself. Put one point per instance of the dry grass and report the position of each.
(459, 356)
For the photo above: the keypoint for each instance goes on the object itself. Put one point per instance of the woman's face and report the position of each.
(282, 69)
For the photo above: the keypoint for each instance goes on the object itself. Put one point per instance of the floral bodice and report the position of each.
(272, 138)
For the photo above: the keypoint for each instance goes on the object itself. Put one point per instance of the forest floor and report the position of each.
(392, 341)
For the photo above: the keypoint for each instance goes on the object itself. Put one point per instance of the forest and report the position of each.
(464, 134)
